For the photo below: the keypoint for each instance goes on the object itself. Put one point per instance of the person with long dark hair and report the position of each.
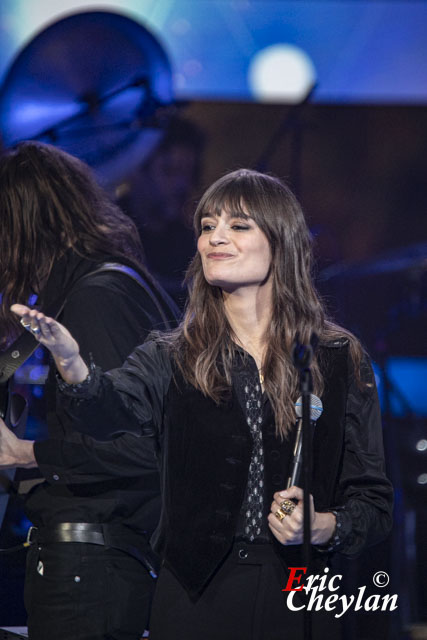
(64, 244)
(218, 396)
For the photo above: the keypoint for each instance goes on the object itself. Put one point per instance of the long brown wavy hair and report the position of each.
(204, 343)
(50, 202)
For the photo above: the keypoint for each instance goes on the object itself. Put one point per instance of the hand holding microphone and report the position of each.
(287, 506)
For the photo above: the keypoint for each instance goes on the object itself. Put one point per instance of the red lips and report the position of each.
(219, 256)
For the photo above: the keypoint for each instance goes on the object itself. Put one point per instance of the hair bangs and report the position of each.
(235, 194)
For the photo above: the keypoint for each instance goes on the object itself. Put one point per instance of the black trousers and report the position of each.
(243, 601)
(79, 591)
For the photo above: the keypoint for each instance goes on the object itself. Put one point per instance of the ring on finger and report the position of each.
(280, 514)
(287, 506)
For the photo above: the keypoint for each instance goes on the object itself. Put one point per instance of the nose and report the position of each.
(219, 234)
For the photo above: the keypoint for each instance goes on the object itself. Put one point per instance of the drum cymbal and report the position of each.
(404, 260)
(96, 84)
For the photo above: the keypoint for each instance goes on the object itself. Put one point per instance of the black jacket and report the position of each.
(118, 482)
(205, 453)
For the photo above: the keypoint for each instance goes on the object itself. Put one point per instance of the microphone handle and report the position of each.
(296, 469)
(295, 476)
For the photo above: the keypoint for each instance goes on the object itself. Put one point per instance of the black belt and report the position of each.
(108, 535)
(67, 532)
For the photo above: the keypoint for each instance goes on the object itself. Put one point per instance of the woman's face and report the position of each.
(235, 252)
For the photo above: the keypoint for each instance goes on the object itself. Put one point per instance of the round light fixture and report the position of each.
(281, 73)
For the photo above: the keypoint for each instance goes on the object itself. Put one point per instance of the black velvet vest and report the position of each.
(206, 454)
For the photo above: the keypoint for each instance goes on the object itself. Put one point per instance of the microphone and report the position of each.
(316, 409)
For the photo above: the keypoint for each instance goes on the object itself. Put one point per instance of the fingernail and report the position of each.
(283, 494)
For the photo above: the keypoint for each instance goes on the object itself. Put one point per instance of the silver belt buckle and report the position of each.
(30, 531)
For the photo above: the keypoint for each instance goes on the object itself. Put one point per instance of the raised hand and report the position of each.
(55, 337)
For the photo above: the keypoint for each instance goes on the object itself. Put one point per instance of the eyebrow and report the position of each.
(237, 214)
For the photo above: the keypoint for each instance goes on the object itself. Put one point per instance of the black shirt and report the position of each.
(138, 393)
(108, 313)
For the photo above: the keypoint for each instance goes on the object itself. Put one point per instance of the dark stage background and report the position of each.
(360, 171)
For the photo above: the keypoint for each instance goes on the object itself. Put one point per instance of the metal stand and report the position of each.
(292, 123)
(302, 357)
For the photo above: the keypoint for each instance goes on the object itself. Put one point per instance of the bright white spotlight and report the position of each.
(281, 73)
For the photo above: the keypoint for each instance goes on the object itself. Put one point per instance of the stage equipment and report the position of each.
(294, 125)
(405, 259)
(316, 410)
(384, 301)
(302, 357)
(96, 84)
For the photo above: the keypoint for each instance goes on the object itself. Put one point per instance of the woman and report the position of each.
(218, 395)
(64, 241)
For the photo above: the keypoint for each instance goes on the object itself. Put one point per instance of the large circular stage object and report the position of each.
(97, 85)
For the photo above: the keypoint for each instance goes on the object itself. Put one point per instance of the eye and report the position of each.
(206, 227)
(240, 227)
